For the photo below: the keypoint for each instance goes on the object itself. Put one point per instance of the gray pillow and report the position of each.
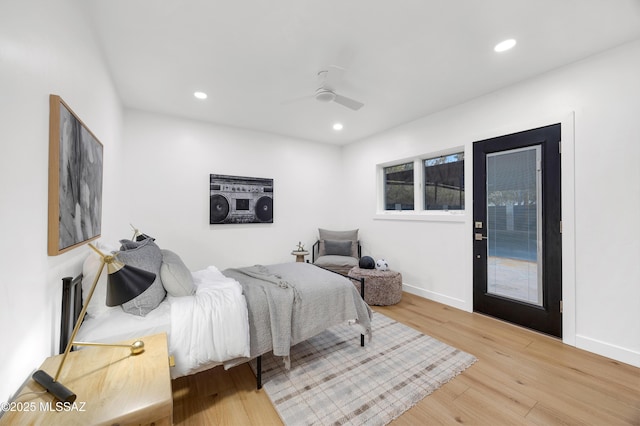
(176, 277)
(337, 248)
(351, 235)
(144, 255)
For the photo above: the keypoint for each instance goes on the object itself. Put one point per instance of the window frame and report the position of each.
(418, 213)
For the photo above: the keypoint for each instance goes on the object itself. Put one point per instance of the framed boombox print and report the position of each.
(237, 199)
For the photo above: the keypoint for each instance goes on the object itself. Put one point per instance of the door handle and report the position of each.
(480, 237)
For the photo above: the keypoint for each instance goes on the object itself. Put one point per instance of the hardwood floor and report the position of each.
(521, 377)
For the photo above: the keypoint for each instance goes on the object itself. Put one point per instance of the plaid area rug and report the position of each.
(335, 381)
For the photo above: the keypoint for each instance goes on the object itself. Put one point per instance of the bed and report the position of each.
(234, 315)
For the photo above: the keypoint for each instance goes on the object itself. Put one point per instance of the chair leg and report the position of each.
(362, 295)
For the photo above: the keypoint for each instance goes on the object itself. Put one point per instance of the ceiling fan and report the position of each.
(326, 92)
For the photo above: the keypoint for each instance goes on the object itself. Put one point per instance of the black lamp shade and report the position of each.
(127, 283)
(142, 237)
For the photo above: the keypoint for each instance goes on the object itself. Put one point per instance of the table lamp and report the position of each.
(124, 282)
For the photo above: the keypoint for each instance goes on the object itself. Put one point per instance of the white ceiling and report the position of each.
(403, 59)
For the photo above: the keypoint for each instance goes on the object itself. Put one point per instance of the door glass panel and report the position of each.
(514, 239)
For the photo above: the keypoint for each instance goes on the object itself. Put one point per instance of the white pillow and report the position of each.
(98, 303)
(176, 277)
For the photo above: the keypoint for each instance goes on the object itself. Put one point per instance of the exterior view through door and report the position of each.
(516, 229)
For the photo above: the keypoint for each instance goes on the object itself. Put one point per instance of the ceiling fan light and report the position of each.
(323, 95)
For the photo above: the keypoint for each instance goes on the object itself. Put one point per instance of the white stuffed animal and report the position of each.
(382, 265)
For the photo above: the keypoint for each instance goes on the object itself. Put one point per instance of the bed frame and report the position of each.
(72, 305)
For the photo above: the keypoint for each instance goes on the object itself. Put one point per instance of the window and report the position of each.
(425, 187)
(444, 182)
(398, 187)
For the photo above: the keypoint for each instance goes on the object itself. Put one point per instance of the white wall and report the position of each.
(45, 47)
(167, 167)
(435, 256)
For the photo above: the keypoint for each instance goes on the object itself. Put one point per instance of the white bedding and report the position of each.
(213, 324)
(204, 330)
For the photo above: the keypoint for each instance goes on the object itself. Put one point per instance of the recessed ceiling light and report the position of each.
(200, 95)
(337, 126)
(505, 45)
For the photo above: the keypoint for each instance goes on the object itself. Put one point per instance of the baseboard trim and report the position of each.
(437, 297)
(608, 350)
(615, 353)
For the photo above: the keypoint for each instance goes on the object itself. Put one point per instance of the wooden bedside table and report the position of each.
(113, 388)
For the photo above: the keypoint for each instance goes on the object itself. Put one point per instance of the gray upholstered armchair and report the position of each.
(338, 251)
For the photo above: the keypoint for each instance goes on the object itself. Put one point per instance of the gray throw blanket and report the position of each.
(291, 302)
(262, 272)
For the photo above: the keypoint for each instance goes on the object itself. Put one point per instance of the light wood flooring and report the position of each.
(521, 377)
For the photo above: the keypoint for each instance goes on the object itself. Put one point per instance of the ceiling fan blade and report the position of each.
(348, 102)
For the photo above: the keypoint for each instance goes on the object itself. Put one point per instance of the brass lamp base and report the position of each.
(56, 389)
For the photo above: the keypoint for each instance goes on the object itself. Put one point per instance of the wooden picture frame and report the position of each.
(75, 180)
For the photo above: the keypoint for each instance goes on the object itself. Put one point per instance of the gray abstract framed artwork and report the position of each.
(239, 199)
(75, 180)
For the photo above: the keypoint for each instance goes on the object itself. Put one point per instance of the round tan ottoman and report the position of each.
(380, 287)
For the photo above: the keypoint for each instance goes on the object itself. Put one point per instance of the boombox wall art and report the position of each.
(236, 199)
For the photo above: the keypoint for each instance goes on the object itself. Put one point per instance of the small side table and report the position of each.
(113, 387)
(381, 288)
(299, 255)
